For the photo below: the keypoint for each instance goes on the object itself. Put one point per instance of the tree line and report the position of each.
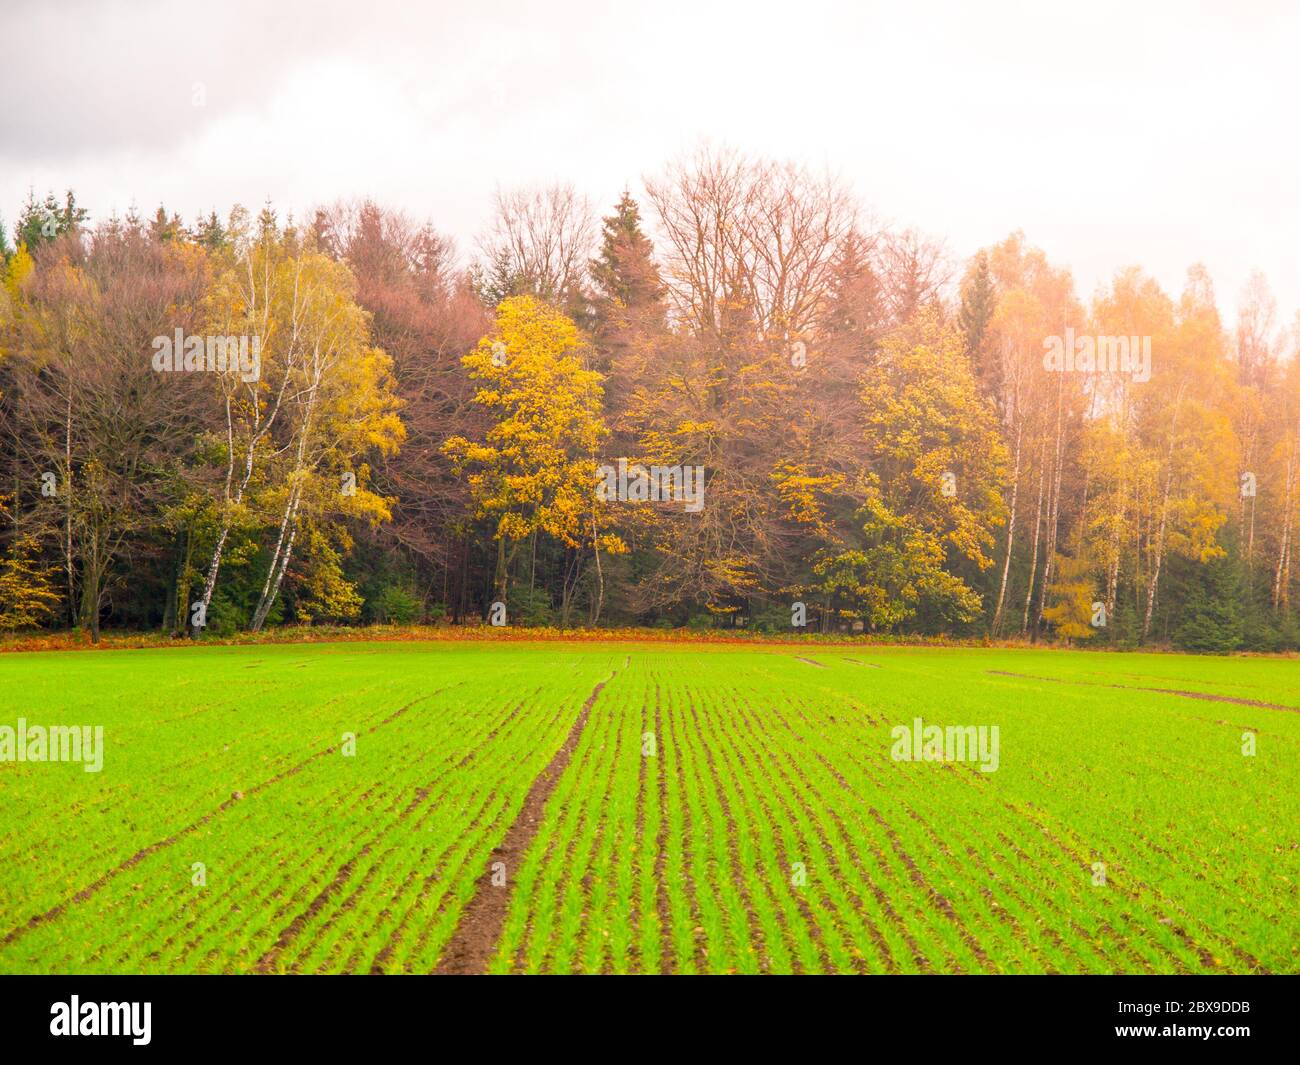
(887, 440)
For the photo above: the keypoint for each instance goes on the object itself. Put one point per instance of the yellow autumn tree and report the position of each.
(933, 469)
(27, 594)
(1070, 600)
(298, 429)
(535, 470)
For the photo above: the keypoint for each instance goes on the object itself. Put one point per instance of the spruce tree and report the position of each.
(855, 312)
(627, 314)
(497, 280)
(210, 233)
(629, 292)
(1211, 620)
(41, 222)
(978, 302)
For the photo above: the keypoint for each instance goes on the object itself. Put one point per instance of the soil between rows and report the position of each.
(471, 947)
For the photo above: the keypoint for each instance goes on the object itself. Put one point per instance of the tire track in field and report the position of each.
(472, 944)
(357, 895)
(381, 960)
(345, 879)
(462, 851)
(1163, 691)
(571, 819)
(457, 855)
(93, 888)
(586, 766)
(379, 963)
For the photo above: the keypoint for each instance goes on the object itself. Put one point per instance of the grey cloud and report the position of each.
(94, 77)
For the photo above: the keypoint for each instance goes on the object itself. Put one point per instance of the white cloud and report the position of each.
(1110, 133)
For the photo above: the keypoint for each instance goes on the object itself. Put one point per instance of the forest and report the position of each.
(255, 420)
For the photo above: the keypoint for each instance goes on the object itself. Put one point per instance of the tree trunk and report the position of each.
(210, 582)
(1154, 579)
(1053, 513)
(67, 506)
(1011, 534)
(1282, 574)
(600, 575)
(499, 582)
(275, 571)
(259, 619)
(1038, 524)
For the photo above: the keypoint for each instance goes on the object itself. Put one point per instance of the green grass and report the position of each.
(765, 760)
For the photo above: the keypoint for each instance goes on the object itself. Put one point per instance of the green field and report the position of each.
(724, 809)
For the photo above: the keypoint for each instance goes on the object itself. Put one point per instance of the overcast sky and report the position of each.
(1111, 133)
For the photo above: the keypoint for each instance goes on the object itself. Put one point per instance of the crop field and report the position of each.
(513, 807)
